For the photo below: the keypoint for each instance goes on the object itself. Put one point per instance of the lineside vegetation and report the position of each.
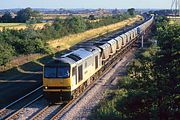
(29, 41)
(151, 88)
(21, 26)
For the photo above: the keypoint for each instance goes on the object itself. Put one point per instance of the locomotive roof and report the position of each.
(77, 55)
(81, 53)
(70, 58)
(56, 63)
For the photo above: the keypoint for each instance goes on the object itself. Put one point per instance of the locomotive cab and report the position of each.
(56, 81)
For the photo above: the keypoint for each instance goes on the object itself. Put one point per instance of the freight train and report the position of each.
(65, 77)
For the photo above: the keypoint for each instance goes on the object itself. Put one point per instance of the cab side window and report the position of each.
(74, 72)
(96, 62)
(80, 73)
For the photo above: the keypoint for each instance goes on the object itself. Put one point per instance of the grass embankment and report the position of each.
(173, 20)
(61, 16)
(18, 26)
(120, 99)
(151, 89)
(177, 21)
(68, 41)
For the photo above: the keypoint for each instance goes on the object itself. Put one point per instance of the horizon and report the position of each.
(88, 8)
(82, 4)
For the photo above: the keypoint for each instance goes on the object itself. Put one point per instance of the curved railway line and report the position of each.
(34, 107)
(37, 110)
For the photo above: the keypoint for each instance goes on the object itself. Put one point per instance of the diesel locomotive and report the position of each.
(65, 77)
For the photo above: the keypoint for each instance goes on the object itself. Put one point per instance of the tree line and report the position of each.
(151, 88)
(26, 15)
(29, 41)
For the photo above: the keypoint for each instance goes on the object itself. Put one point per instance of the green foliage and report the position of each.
(91, 17)
(6, 53)
(25, 15)
(30, 41)
(23, 41)
(6, 18)
(131, 11)
(75, 24)
(106, 109)
(167, 69)
(136, 105)
(152, 85)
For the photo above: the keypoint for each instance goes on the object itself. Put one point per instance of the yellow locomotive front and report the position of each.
(66, 77)
(57, 81)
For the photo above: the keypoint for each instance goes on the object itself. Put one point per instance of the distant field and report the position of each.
(174, 21)
(68, 41)
(64, 16)
(53, 16)
(61, 16)
(11, 24)
(18, 26)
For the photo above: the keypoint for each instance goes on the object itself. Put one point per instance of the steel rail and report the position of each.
(3, 111)
(16, 113)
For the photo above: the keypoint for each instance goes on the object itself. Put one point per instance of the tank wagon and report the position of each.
(64, 78)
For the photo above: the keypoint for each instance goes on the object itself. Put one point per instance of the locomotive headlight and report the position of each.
(46, 87)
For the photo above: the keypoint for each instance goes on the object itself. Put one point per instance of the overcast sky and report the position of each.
(159, 4)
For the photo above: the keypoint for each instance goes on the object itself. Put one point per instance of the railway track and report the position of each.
(18, 104)
(56, 116)
(71, 104)
(11, 111)
(52, 112)
(44, 111)
(48, 112)
(35, 110)
(29, 109)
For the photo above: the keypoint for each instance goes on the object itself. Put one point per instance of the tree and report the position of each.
(36, 16)
(152, 84)
(27, 14)
(167, 70)
(6, 53)
(131, 11)
(6, 18)
(91, 17)
(75, 24)
(57, 24)
(24, 15)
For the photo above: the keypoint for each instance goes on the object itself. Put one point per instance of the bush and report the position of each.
(30, 41)
(106, 109)
(6, 53)
(152, 84)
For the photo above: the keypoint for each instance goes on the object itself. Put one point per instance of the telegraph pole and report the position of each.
(175, 8)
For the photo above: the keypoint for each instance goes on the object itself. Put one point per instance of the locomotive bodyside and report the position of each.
(70, 72)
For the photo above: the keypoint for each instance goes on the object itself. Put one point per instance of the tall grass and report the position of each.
(68, 41)
(19, 26)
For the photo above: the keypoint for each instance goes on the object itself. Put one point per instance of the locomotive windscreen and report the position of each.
(56, 72)
(63, 72)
